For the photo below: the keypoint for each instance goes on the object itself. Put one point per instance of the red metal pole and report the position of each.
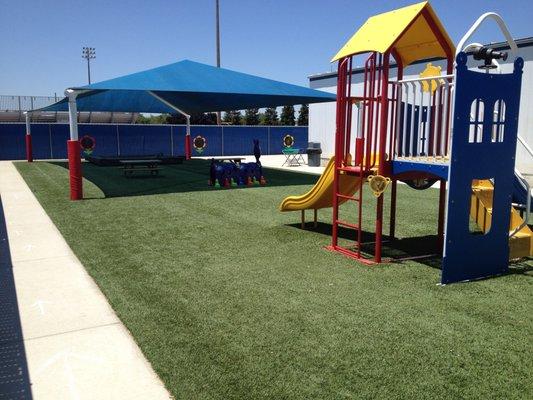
(349, 106)
(382, 149)
(370, 117)
(341, 90)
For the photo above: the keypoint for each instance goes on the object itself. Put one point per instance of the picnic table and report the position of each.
(293, 157)
(131, 167)
(236, 160)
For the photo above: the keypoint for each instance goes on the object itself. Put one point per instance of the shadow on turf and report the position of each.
(395, 249)
(191, 176)
(406, 248)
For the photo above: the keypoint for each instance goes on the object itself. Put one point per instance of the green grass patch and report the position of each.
(229, 299)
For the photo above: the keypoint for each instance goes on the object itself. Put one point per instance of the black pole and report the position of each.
(88, 53)
(218, 33)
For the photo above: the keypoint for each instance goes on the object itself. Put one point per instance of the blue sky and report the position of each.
(285, 40)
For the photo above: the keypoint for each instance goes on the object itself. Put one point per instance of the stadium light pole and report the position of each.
(218, 46)
(88, 53)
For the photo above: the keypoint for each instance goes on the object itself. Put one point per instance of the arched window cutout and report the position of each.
(477, 111)
(498, 121)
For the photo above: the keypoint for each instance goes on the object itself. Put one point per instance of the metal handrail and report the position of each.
(501, 25)
(526, 146)
(526, 186)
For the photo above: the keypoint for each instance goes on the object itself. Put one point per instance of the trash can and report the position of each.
(313, 154)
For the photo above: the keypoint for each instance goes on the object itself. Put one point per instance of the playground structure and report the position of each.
(457, 128)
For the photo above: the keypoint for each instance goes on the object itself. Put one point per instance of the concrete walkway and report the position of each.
(76, 347)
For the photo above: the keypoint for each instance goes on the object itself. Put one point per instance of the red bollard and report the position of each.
(187, 147)
(29, 149)
(74, 166)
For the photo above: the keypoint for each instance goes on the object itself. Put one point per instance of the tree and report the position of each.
(270, 117)
(232, 117)
(204, 119)
(303, 116)
(287, 116)
(152, 119)
(176, 119)
(251, 116)
(142, 119)
(196, 119)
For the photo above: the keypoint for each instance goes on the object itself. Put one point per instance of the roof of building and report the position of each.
(410, 33)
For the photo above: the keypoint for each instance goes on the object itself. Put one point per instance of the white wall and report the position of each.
(322, 115)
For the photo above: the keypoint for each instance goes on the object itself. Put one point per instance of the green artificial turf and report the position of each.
(229, 299)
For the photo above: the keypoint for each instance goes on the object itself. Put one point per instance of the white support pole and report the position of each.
(162, 100)
(28, 126)
(187, 118)
(73, 148)
(72, 113)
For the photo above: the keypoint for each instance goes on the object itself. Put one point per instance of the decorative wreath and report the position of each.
(199, 143)
(87, 144)
(288, 141)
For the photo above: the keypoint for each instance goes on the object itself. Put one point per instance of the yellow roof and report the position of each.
(405, 30)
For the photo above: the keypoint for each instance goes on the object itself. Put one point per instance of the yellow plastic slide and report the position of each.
(321, 195)
(521, 244)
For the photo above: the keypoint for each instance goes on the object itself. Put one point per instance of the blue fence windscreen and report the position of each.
(50, 140)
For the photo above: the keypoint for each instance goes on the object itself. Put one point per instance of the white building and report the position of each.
(322, 115)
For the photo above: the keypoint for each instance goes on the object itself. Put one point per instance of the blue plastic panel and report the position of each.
(472, 256)
(440, 170)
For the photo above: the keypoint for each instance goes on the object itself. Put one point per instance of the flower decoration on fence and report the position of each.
(200, 144)
(288, 141)
(87, 144)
